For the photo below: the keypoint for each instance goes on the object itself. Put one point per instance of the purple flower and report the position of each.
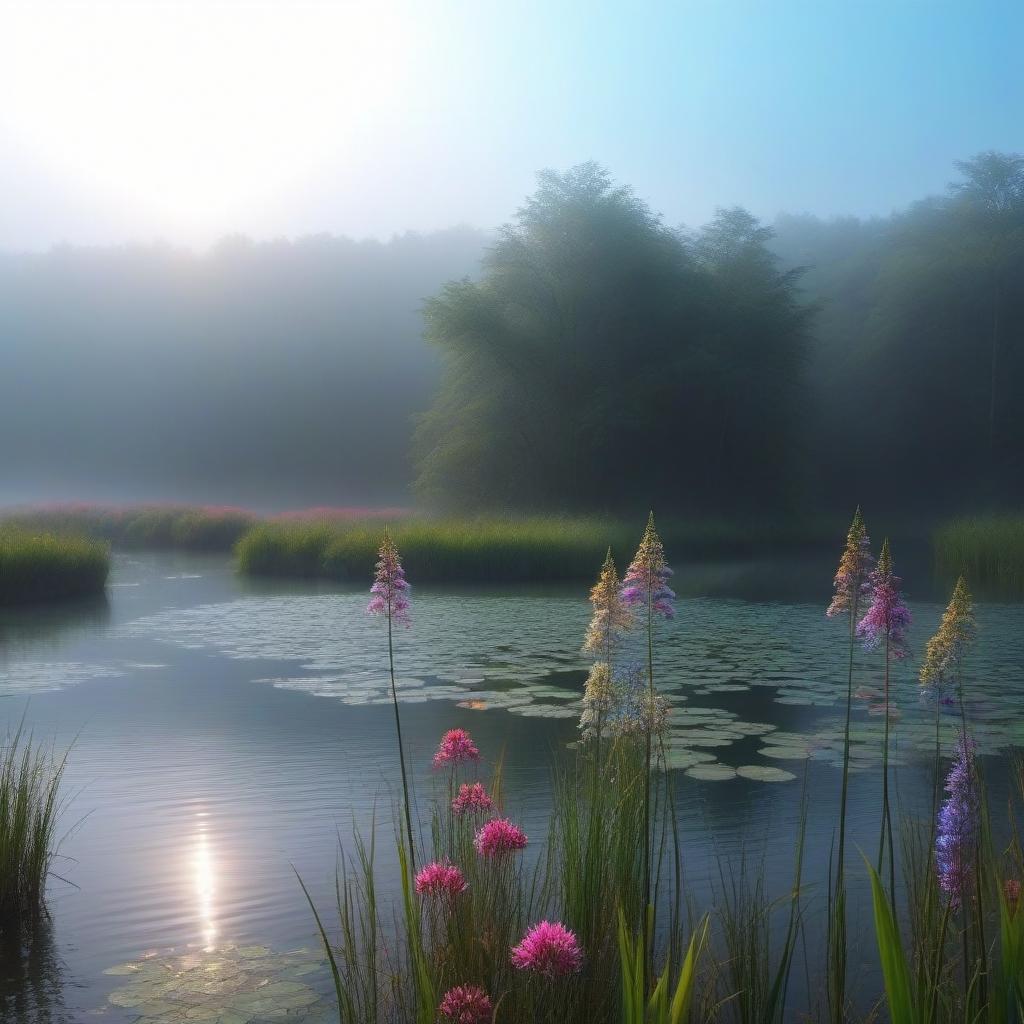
(646, 579)
(390, 590)
(958, 823)
(887, 616)
(466, 1004)
(853, 577)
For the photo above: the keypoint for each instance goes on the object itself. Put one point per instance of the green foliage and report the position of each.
(499, 549)
(600, 345)
(987, 551)
(182, 527)
(43, 567)
(30, 777)
(664, 1005)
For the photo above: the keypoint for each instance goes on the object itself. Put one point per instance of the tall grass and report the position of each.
(988, 551)
(42, 567)
(484, 550)
(161, 527)
(30, 778)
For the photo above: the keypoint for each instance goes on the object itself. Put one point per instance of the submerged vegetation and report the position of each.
(43, 567)
(989, 551)
(30, 777)
(597, 925)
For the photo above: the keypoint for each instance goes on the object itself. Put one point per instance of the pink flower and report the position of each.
(456, 745)
(887, 618)
(499, 836)
(440, 879)
(548, 948)
(466, 1004)
(646, 579)
(472, 797)
(389, 594)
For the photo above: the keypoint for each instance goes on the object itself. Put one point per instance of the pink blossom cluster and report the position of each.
(466, 1004)
(456, 746)
(549, 948)
(472, 797)
(440, 879)
(498, 837)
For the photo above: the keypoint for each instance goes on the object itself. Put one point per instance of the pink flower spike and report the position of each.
(456, 746)
(389, 594)
(466, 1004)
(440, 879)
(498, 837)
(472, 797)
(549, 948)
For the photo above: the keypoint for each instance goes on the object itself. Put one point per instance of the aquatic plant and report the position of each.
(30, 803)
(548, 948)
(884, 625)
(46, 566)
(390, 598)
(646, 585)
(944, 654)
(987, 550)
(851, 585)
(611, 617)
(958, 824)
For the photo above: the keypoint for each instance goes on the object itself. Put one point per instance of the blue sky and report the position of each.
(189, 120)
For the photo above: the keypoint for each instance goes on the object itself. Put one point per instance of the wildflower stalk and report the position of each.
(851, 582)
(645, 583)
(389, 598)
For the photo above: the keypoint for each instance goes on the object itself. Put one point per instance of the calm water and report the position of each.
(224, 732)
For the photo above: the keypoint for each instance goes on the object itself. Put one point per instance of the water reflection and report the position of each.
(204, 882)
(31, 983)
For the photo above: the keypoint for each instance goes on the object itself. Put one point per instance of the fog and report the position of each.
(783, 240)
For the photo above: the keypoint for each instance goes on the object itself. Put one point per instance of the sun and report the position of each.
(193, 111)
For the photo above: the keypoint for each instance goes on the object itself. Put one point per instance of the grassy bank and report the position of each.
(160, 527)
(989, 551)
(482, 550)
(44, 567)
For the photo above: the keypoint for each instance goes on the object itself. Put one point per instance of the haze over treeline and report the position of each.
(586, 357)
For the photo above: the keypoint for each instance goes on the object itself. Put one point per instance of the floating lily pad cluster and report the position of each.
(230, 985)
(520, 654)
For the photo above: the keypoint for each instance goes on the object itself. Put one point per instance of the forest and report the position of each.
(804, 363)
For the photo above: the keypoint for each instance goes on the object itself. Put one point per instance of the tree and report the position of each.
(599, 350)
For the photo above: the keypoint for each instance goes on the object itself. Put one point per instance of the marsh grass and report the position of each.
(43, 567)
(30, 803)
(988, 551)
(206, 528)
(481, 550)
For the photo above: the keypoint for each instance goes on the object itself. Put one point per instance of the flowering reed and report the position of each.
(550, 949)
(389, 596)
(944, 654)
(611, 618)
(851, 584)
(958, 824)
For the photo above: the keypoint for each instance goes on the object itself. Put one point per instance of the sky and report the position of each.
(187, 121)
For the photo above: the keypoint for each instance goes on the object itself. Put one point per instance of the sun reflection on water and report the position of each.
(204, 880)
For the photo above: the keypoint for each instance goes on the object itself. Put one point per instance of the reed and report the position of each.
(30, 803)
(44, 567)
(988, 551)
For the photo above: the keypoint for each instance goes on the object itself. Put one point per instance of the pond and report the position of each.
(225, 734)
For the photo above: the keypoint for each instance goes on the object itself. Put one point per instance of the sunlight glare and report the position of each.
(194, 109)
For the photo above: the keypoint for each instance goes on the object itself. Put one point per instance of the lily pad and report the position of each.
(711, 772)
(764, 773)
